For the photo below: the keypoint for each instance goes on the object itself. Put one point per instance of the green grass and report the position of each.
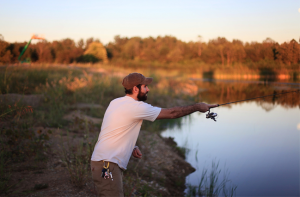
(60, 88)
(24, 80)
(145, 190)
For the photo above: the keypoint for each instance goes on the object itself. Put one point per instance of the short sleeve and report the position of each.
(146, 111)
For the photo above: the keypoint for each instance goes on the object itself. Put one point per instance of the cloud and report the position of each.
(298, 126)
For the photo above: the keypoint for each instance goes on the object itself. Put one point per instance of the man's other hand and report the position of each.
(137, 153)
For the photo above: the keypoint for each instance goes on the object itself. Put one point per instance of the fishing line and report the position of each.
(213, 115)
(258, 97)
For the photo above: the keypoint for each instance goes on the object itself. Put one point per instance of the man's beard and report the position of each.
(142, 96)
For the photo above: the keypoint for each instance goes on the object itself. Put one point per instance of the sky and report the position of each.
(245, 20)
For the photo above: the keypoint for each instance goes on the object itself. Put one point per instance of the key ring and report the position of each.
(104, 165)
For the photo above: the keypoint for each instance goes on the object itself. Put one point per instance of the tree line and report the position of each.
(167, 49)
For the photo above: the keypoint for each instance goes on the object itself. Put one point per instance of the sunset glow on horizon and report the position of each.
(247, 21)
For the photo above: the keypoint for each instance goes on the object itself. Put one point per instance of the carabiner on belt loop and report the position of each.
(104, 164)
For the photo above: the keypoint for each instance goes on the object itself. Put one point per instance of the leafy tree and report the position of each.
(97, 50)
(44, 51)
(5, 55)
(88, 58)
(80, 43)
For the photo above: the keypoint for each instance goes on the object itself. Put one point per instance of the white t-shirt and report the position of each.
(120, 129)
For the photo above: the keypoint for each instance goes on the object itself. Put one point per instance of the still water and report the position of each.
(256, 143)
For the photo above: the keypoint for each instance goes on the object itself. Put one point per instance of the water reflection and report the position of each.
(224, 91)
(257, 140)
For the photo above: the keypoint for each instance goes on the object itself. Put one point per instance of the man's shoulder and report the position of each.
(123, 98)
(122, 101)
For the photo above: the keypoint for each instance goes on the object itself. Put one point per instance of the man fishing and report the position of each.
(120, 129)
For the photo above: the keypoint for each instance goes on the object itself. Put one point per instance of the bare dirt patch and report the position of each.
(78, 114)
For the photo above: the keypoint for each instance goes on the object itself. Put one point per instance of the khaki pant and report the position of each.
(107, 187)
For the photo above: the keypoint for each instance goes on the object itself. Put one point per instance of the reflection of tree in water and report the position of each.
(224, 92)
(215, 91)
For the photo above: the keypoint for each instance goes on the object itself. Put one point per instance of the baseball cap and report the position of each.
(134, 79)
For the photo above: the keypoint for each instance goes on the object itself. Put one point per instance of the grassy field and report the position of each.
(52, 115)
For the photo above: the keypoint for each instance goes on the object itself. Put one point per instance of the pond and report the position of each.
(255, 143)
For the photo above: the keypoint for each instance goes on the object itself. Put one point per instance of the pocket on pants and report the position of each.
(116, 183)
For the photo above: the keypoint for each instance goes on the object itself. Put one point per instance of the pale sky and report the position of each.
(246, 20)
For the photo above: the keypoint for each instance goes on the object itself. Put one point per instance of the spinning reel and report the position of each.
(211, 115)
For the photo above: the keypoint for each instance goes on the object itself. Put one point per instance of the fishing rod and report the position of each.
(213, 115)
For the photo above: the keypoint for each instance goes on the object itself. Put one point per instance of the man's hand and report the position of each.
(203, 107)
(137, 153)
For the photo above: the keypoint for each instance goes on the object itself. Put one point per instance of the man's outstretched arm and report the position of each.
(177, 112)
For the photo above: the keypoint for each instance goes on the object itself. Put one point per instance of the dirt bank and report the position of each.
(161, 171)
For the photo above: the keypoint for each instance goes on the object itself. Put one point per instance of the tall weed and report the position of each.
(211, 186)
(77, 155)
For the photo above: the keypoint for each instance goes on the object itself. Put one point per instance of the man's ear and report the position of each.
(135, 89)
